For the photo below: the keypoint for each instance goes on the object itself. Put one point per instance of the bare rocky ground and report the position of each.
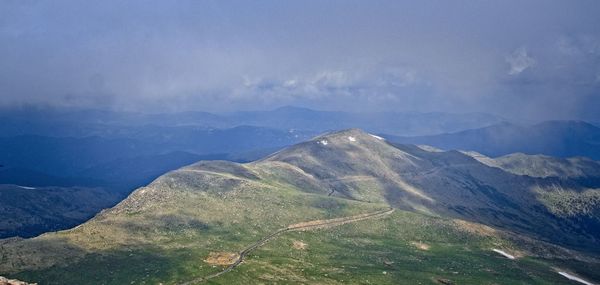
(6, 281)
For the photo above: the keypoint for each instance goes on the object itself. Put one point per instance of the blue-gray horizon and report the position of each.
(534, 60)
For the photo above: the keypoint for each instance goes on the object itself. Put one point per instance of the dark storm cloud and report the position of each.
(532, 59)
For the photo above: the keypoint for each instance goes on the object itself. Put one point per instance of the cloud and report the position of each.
(519, 61)
(340, 54)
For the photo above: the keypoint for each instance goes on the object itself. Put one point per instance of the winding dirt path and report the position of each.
(309, 225)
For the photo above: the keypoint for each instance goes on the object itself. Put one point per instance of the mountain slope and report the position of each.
(542, 165)
(410, 178)
(554, 138)
(577, 194)
(29, 211)
(120, 162)
(177, 227)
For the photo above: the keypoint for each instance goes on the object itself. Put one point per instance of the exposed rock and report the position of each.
(222, 258)
(6, 281)
(445, 281)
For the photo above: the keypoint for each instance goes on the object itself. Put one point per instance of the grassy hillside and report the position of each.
(404, 248)
(178, 227)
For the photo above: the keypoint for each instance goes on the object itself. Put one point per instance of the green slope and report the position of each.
(166, 232)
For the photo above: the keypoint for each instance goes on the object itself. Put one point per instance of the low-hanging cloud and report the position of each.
(519, 60)
(339, 55)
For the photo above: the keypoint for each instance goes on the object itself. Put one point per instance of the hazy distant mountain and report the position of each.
(81, 123)
(402, 123)
(76, 157)
(323, 206)
(120, 151)
(57, 122)
(554, 138)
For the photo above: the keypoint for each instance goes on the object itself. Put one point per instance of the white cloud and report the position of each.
(519, 61)
(291, 83)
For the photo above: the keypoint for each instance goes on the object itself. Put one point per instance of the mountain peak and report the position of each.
(344, 153)
(290, 108)
(353, 135)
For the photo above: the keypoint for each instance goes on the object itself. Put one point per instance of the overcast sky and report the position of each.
(526, 59)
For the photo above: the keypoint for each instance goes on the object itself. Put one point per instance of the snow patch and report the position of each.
(509, 256)
(377, 137)
(323, 142)
(574, 278)
(352, 139)
(25, 187)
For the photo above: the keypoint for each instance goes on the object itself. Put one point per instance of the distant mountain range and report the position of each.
(59, 122)
(120, 151)
(554, 138)
(364, 208)
(70, 156)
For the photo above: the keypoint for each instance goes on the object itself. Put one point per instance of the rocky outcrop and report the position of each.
(6, 281)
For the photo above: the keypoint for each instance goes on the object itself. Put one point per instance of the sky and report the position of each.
(533, 60)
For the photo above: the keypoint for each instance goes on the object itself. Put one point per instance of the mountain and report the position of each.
(138, 156)
(120, 151)
(108, 182)
(28, 211)
(85, 123)
(343, 208)
(120, 160)
(111, 183)
(401, 123)
(554, 138)
(68, 156)
(542, 165)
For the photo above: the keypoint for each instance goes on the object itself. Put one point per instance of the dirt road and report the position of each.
(309, 225)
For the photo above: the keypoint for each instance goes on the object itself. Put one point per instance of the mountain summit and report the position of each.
(337, 190)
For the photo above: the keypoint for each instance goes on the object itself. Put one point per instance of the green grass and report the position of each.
(375, 251)
(162, 234)
(380, 252)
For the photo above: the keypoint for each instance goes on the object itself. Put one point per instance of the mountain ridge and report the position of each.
(554, 138)
(214, 207)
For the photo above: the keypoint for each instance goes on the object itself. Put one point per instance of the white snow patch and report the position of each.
(352, 139)
(25, 187)
(574, 278)
(323, 142)
(509, 256)
(377, 137)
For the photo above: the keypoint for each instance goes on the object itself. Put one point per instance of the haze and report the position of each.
(532, 60)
